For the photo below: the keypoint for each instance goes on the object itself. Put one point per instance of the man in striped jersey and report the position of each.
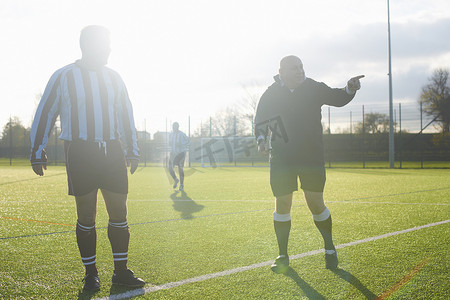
(96, 121)
(178, 143)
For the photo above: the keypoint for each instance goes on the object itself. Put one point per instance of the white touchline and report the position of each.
(169, 285)
(394, 203)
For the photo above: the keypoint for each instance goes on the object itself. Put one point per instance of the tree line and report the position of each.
(238, 119)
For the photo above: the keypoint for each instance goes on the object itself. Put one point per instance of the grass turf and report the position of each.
(223, 221)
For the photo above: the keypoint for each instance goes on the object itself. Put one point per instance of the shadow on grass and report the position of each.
(34, 178)
(84, 295)
(308, 290)
(185, 205)
(347, 276)
(125, 292)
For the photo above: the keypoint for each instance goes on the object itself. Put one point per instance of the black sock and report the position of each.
(87, 241)
(181, 172)
(119, 237)
(172, 172)
(325, 229)
(282, 230)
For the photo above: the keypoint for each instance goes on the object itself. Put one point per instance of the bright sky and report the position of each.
(194, 57)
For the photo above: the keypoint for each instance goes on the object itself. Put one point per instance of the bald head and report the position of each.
(95, 45)
(289, 60)
(291, 71)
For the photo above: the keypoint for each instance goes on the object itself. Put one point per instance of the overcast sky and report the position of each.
(192, 58)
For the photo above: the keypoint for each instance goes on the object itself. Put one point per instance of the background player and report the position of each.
(178, 143)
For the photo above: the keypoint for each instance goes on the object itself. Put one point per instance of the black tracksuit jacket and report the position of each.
(293, 120)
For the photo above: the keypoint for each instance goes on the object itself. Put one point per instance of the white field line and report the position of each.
(271, 201)
(261, 200)
(384, 202)
(247, 201)
(169, 285)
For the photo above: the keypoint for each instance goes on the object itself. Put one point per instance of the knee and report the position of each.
(315, 202)
(283, 208)
(86, 214)
(317, 209)
(86, 219)
(118, 213)
(283, 205)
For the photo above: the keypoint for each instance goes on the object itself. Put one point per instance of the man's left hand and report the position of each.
(133, 163)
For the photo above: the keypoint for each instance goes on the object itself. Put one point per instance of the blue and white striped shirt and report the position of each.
(178, 142)
(93, 105)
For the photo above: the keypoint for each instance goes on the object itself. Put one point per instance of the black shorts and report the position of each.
(91, 166)
(283, 178)
(178, 160)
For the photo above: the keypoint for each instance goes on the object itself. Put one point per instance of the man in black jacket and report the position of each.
(289, 112)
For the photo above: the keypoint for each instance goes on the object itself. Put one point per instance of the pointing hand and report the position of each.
(353, 84)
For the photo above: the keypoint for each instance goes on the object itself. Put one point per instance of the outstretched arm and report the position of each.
(339, 96)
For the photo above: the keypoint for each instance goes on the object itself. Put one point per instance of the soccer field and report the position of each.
(216, 240)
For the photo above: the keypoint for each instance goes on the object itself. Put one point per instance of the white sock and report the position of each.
(281, 217)
(322, 216)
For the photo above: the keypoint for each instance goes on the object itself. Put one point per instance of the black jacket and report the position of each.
(293, 120)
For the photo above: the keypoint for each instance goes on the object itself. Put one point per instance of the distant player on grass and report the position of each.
(289, 114)
(178, 143)
(95, 111)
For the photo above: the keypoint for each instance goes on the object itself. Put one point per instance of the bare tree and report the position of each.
(435, 98)
(235, 119)
(249, 102)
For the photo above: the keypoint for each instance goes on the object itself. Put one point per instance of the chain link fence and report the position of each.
(349, 141)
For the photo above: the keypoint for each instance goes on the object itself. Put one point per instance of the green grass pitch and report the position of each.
(223, 222)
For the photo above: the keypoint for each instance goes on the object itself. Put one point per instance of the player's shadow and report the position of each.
(347, 276)
(185, 205)
(308, 290)
(131, 292)
(85, 295)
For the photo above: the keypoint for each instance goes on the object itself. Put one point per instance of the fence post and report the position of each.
(189, 135)
(166, 147)
(10, 141)
(363, 134)
(234, 141)
(351, 136)
(329, 138)
(421, 136)
(145, 142)
(350, 122)
(400, 134)
(56, 145)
